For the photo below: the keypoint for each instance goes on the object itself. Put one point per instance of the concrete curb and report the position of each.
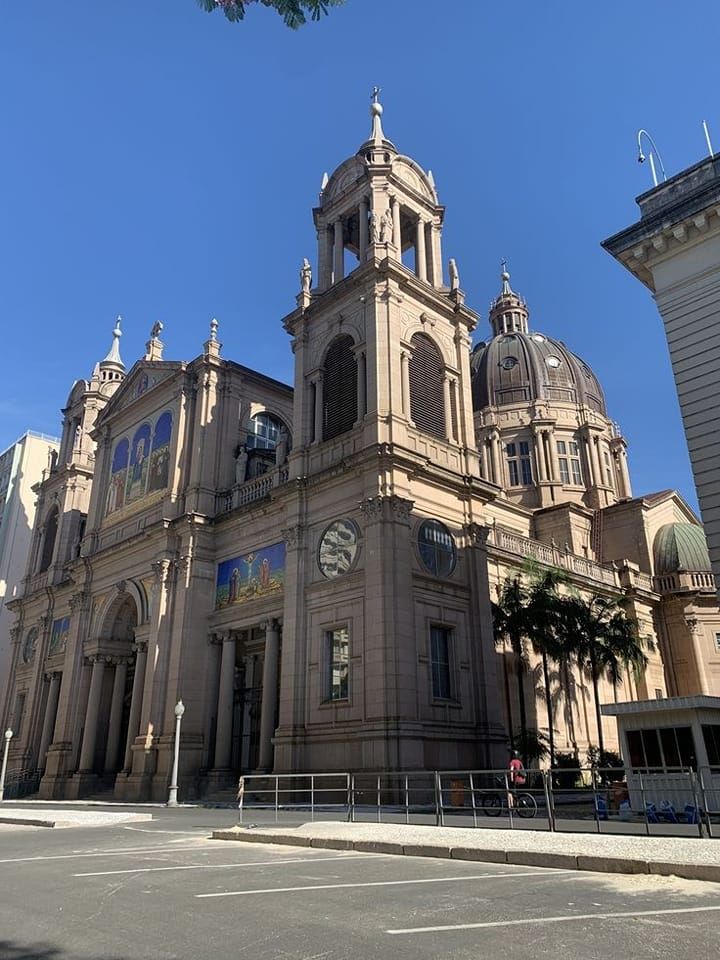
(529, 858)
(27, 822)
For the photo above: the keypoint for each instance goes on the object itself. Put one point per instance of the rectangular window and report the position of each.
(519, 464)
(569, 462)
(575, 470)
(440, 641)
(17, 723)
(608, 469)
(711, 736)
(337, 653)
(717, 642)
(668, 747)
(564, 472)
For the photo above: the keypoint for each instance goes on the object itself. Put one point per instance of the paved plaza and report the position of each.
(163, 890)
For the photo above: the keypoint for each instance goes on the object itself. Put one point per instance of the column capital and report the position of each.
(139, 646)
(387, 508)
(272, 624)
(294, 536)
(478, 534)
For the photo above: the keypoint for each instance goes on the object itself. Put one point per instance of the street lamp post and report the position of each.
(172, 798)
(8, 738)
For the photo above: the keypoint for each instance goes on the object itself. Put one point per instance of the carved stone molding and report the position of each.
(387, 508)
(161, 571)
(293, 536)
(79, 601)
(477, 534)
(15, 634)
(694, 625)
(139, 646)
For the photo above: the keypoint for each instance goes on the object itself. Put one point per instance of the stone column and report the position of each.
(589, 461)
(405, 373)
(339, 252)
(269, 694)
(50, 714)
(496, 459)
(116, 707)
(539, 455)
(135, 701)
(626, 489)
(360, 357)
(363, 230)
(397, 233)
(447, 405)
(223, 736)
(420, 252)
(318, 382)
(87, 752)
(436, 256)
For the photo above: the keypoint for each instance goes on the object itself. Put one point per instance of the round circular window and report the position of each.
(538, 338)
(507, 363)
(553, 361)
(338, 548)
(28, 647)
(437, 548)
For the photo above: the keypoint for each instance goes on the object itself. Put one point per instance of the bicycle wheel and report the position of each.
(492, 805)
(526, 805)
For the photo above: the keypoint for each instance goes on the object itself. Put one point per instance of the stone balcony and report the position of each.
(685, 582)
(241, 494)
(509, 542)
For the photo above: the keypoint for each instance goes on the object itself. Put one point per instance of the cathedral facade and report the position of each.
(311, 569)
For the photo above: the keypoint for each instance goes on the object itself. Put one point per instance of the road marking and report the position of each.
(378, 883)
(530, 920)
(81, 856)
(221, 866)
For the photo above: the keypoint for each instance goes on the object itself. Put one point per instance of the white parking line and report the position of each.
(102, 853)
(221, 866)
(567, 919)
(379, 883)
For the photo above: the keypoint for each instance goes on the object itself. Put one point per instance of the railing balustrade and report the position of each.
(243, 493)
(658, 801)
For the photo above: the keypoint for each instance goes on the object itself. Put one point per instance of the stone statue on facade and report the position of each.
(281, 447)
(156, 330)
(454, 276)
(386, 227)
(305, 276)
(241, 461)
(374, 227)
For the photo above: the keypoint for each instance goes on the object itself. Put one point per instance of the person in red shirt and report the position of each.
(516, 775)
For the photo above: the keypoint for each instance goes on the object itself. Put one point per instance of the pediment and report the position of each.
(144, 378)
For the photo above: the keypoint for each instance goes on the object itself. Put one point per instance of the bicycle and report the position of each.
(524, 804)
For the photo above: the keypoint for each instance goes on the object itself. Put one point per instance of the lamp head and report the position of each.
(641, 157)
(8, 734)
(179, 708)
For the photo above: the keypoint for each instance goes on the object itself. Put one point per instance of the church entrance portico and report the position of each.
(246, 702)
(112, 665)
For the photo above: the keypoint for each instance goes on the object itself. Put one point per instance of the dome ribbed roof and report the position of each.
(680, 546)
(520, 366)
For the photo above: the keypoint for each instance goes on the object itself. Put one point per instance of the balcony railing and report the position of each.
(515, 543)
(256, 489)
(682, 581)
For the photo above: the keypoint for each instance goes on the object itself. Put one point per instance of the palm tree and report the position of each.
(604, 641)
(510, 623)
(543, 623)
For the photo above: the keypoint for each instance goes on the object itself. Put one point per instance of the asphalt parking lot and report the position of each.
(163, 890)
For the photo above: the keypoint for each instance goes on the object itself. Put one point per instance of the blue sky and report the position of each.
(162, 163)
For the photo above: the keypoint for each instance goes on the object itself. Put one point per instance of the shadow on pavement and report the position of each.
(12, 950)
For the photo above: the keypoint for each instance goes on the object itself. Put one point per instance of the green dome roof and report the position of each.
(680, 546)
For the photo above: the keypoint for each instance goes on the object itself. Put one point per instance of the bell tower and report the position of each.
(381, 342)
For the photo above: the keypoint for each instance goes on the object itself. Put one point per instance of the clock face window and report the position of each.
(338, 548)
(437, 548)
(28, 648)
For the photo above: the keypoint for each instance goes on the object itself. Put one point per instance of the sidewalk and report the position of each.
(691, 858)
(47, 817)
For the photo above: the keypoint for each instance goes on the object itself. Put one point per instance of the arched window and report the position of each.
(339, 388)
(263, 432)
(48, 546)
(427, 401)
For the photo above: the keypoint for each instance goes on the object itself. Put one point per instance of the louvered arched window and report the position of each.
(339, 388)
(427, 402)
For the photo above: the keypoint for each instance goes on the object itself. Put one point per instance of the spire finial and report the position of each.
(114, 351)
(377, 135)
(213, 329)
(505, 277)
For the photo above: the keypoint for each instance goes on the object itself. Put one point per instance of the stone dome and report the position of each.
(680, 546)
(520, 367)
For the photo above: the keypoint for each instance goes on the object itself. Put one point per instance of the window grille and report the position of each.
(339, 388)
(427, 400)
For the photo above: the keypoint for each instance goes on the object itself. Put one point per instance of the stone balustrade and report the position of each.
(515, 543)
(252, 490)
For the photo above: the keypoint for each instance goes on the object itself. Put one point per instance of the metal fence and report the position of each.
(660, 802)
